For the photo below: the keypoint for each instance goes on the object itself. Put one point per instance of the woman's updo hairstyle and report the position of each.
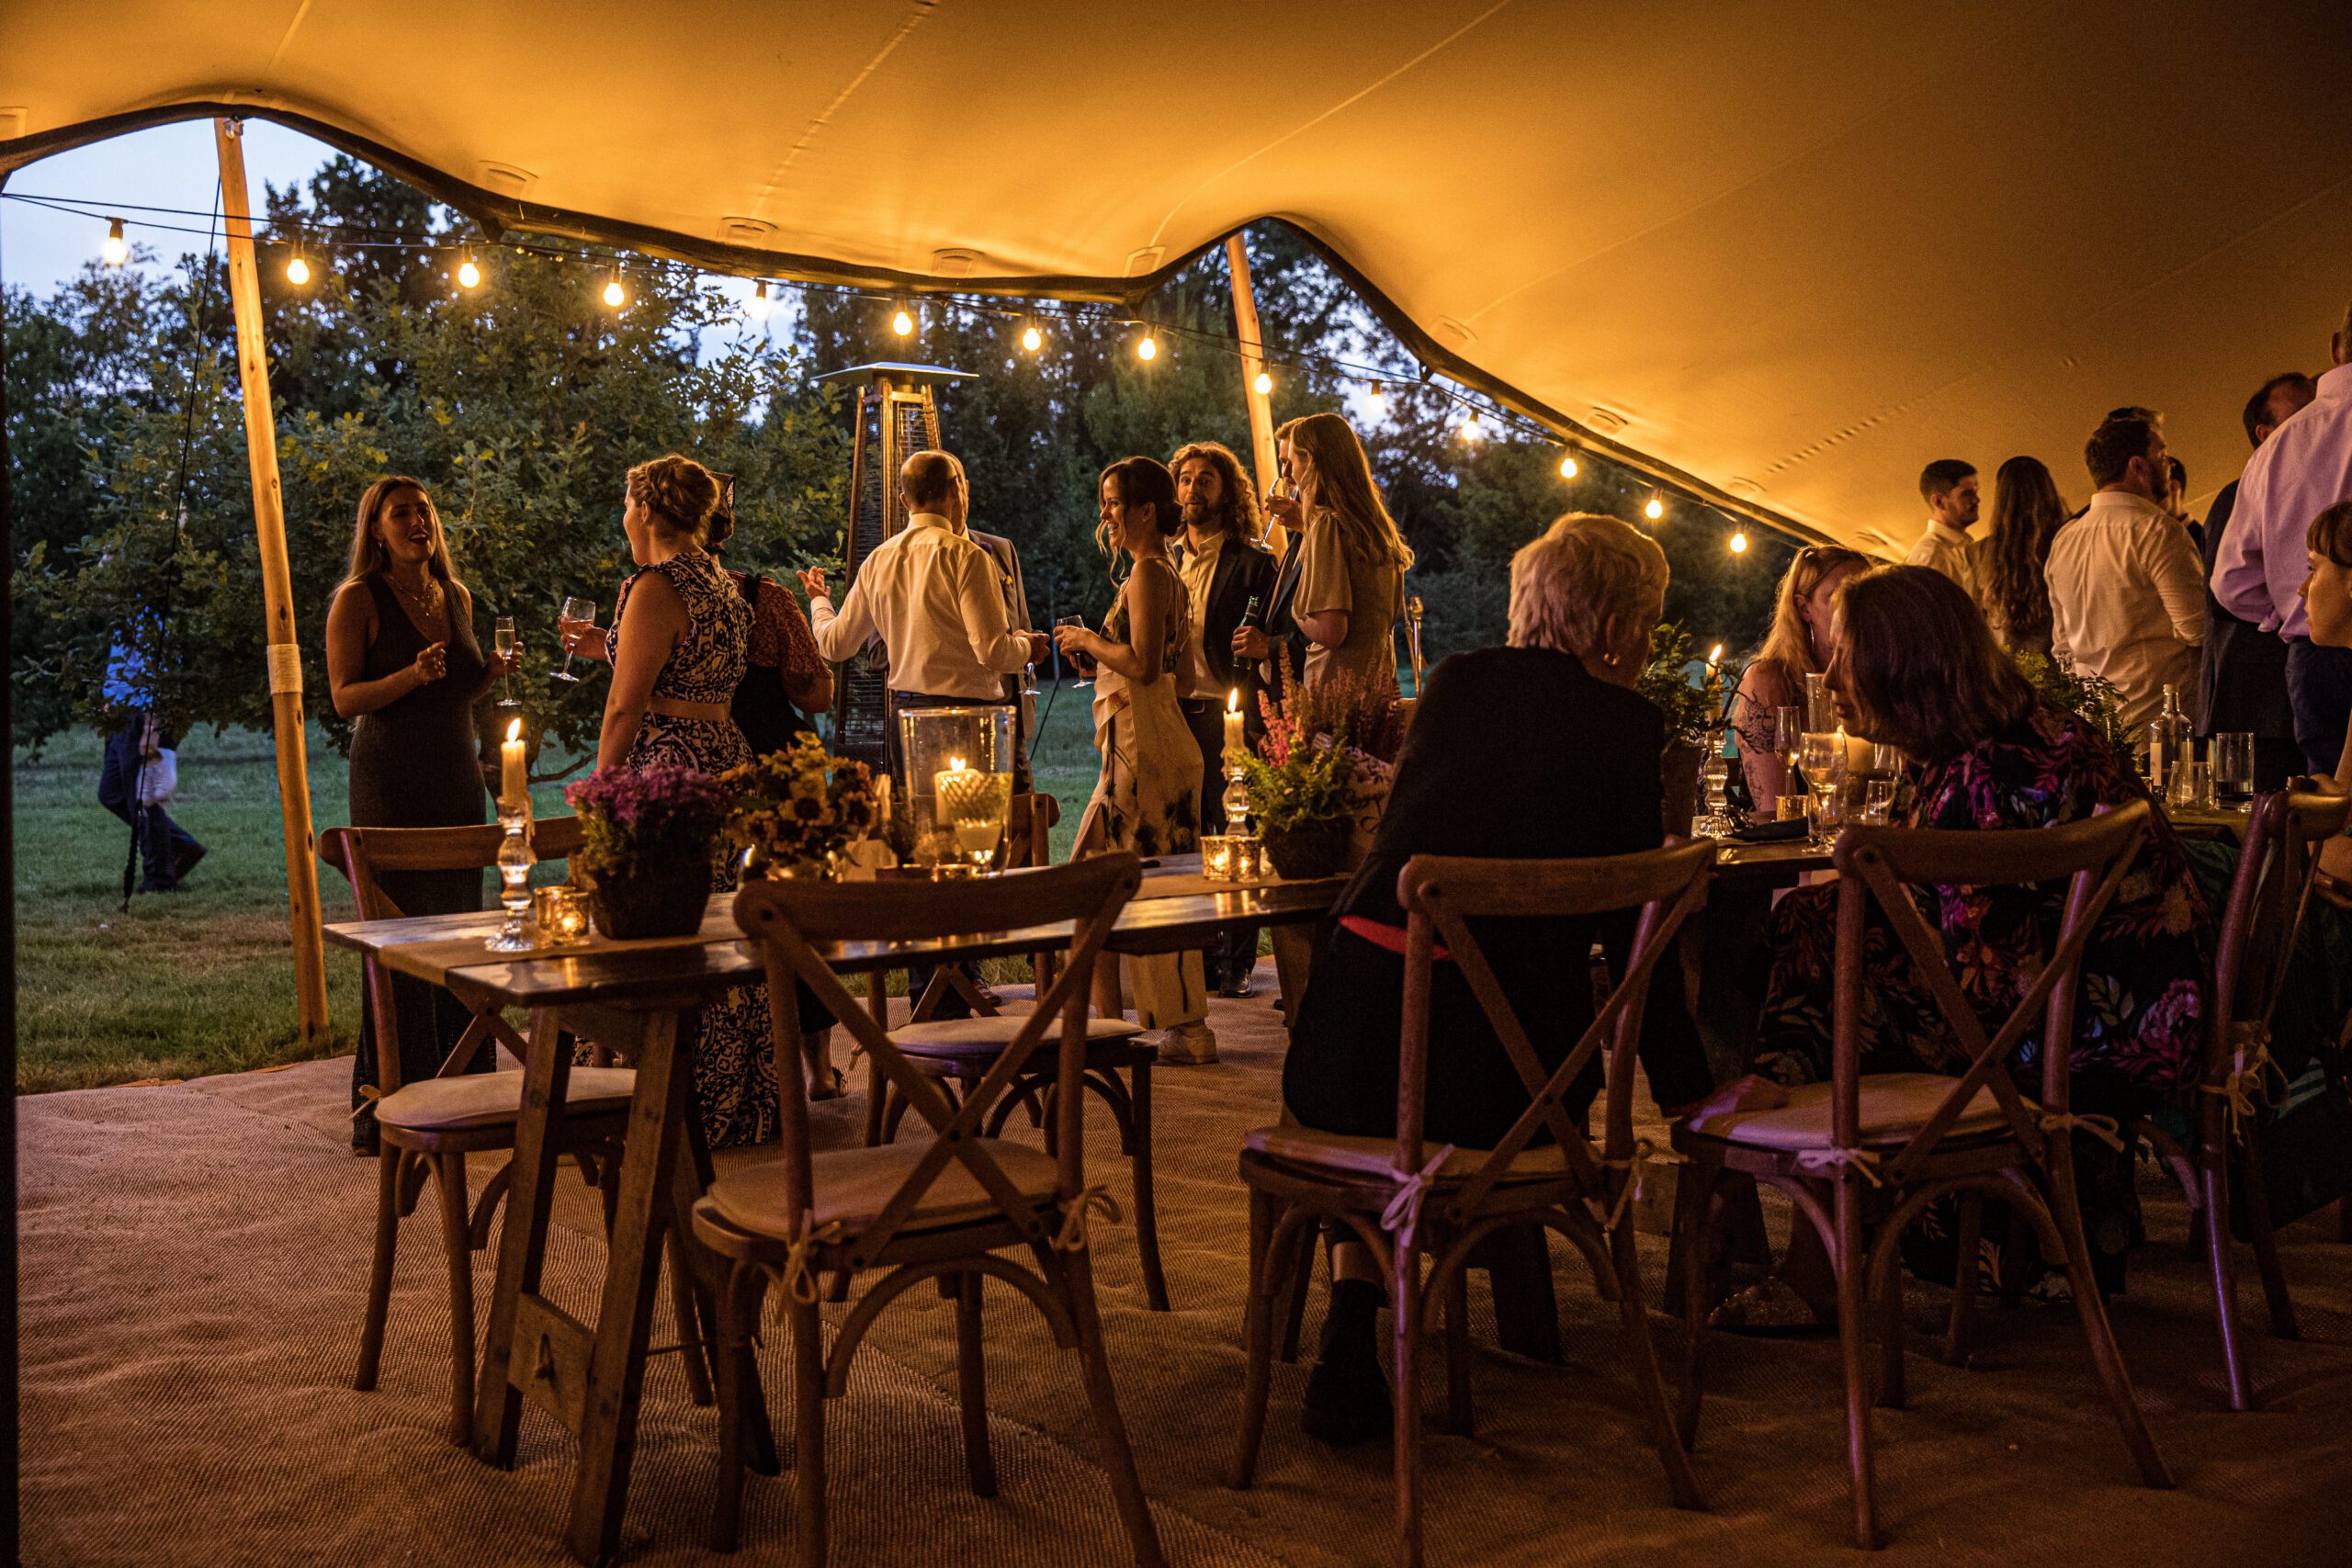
(679, 492)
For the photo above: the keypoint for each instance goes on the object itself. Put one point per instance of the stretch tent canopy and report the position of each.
(1781, 253)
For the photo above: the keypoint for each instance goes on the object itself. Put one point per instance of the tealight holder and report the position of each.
(562, 915)
(514, 861)
(1218, 863)
(1249, 856)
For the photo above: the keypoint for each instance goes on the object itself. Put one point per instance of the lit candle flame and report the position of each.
(955, 764)
(1233, 700)
(515, 730)
(1716, 657)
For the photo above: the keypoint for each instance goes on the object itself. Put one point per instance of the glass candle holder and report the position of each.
(516, 859)
(1248, 857)
(1217, 858)
(561, 914)
(957, 781)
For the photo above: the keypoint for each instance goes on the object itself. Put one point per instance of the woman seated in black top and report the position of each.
(1542, 750)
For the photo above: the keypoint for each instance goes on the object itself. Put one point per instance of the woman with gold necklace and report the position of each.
(403, 662)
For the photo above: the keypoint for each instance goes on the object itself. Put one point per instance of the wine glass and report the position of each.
(1788, 737)
(581, 611)
(1823, 758)
(502, 631)
(1077, 661)
(1878, 803)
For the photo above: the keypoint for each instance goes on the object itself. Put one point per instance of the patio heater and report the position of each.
(897, 415)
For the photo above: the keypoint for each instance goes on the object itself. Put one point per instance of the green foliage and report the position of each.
(1693, 709)
(2091, 696)
(1310, 785)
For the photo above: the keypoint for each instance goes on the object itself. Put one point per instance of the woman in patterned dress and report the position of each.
(1147, 796)
(677, 647)
(1914, 664)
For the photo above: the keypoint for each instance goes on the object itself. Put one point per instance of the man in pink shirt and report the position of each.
(2302, 469)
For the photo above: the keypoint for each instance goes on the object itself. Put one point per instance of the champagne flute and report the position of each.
(503, 632)
(1788, 737)
(583, 610)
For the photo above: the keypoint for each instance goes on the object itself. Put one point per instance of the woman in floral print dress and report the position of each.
(1914, 664)
(677, 647)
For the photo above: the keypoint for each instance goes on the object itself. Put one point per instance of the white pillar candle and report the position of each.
(513, 784)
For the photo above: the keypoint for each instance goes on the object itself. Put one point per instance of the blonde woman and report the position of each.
(1804, 617)
(1554, 716)
(403, 665)
(1347, 588)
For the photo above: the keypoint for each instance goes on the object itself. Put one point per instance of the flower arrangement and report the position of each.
(799, 806)
(2093, 697)
(636, 821)
(1694, 711)
(1328, 756)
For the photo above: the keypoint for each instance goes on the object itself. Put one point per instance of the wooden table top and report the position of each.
(1171, 912)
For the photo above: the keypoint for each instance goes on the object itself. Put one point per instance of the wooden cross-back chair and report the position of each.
(960, 1050)
(2261, 918)
(943, 1208)
(1406, 1204)
(428, 1128)
(1861, 1158)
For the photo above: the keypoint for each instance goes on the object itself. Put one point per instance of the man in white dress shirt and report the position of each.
(2127, 595)
(1950, 488)
(2259, 574)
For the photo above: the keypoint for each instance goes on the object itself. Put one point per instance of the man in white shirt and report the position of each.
(1949, 487)
(933, 596)
(2127, 597)
(2258, 573)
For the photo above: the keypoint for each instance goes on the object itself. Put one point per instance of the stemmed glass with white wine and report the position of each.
(502, 631)
(1823, 758)
(575, 611)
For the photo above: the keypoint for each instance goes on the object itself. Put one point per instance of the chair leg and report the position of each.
(456, 1240)
(685, 1305)
(972, 1386)
(2092, 1308)
(1695, 1206)
(1890, 1390)
(1257, 1341)
(1641, 1357)
(1963, 1279)
(1155, 1281)
(1851, 1329)
(1460, 1418)
(1302, 1282)
(1404, 1293)
(808, 1437)
(1075, 1271)
(725, 1528)
(2266, 1241)
(2213, 1179)
(379, 1266)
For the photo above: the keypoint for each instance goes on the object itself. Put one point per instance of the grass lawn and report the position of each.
(202, 981)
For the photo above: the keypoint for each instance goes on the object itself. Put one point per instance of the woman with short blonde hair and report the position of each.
(1540, 750)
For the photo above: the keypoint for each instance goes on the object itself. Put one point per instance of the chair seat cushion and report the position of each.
(1893, 1107)
(852, 1185)
(487, 1100)
(1341, 1153)
(965, 1037)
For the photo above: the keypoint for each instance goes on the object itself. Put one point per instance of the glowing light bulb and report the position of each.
(1264, 384)
(1739, 544)
(758, 304)
(1376, 402)
(1653, 509)
(1569, 465)
(902, 325)
(614, 294)
(1471, 433)
(298, 271)
(469, 276)
(115, 250)
(1032, 339)
(1147, 348)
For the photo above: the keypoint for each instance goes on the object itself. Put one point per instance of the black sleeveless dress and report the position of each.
(416, 763)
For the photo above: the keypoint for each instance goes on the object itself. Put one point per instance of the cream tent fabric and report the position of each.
(1784, 253)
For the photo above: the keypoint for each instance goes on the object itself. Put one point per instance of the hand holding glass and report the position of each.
(1077, 661)
(576, 614)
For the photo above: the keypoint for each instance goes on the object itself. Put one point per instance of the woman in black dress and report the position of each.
(403, 663)
(1542, 750)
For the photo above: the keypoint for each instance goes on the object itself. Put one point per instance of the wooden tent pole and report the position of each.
(284, 664)
(1253, 359)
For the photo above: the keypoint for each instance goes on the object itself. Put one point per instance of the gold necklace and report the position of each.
(428, 603)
